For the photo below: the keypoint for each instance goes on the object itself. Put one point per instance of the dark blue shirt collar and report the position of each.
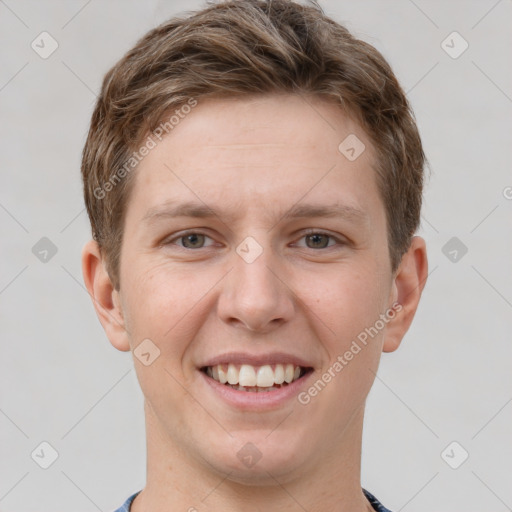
(374, 502)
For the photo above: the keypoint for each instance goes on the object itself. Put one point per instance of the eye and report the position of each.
(190, 240)
(320, 240)
(198, 240)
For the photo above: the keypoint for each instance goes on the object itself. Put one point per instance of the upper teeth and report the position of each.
(247, 375)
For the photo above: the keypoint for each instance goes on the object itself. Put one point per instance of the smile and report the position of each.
(255, 379)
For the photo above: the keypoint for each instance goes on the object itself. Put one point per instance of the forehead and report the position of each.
(284, 126)
(248, 153)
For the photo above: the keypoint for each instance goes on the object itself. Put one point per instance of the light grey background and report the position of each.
(451, 380)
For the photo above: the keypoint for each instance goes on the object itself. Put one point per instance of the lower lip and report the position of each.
(264, 400)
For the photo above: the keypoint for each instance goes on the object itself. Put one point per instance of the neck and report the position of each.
(175, 481)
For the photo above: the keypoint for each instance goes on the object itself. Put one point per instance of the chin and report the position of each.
(254, 460)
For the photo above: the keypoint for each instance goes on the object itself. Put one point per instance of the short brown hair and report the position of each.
(247, 47)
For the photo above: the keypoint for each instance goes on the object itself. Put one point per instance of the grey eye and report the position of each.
(318, 241)
(193, 241)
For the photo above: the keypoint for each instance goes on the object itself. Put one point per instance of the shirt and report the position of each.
(374, 502)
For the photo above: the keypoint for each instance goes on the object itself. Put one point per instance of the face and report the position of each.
(255, 251)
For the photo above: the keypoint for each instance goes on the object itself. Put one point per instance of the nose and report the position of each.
(256, 295)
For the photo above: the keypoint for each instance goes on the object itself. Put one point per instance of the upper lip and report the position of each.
(256, 359)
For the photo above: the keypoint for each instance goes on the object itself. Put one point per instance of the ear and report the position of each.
(105, 298)
(408, 285)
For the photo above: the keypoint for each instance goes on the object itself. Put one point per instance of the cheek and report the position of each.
(167, 304)
(344, 301)
(349, 303)
(164, 306)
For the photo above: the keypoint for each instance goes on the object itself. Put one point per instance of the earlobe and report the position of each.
(105, 298)
(408, 285)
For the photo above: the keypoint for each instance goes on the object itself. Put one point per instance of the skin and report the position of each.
(255, 158)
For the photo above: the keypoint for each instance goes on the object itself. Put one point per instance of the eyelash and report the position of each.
(307, 233)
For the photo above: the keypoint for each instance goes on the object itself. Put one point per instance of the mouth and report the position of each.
(256, 379)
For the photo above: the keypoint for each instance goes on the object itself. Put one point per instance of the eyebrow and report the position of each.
(172, 209)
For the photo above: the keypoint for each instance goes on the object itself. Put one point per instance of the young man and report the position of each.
(253, 176)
